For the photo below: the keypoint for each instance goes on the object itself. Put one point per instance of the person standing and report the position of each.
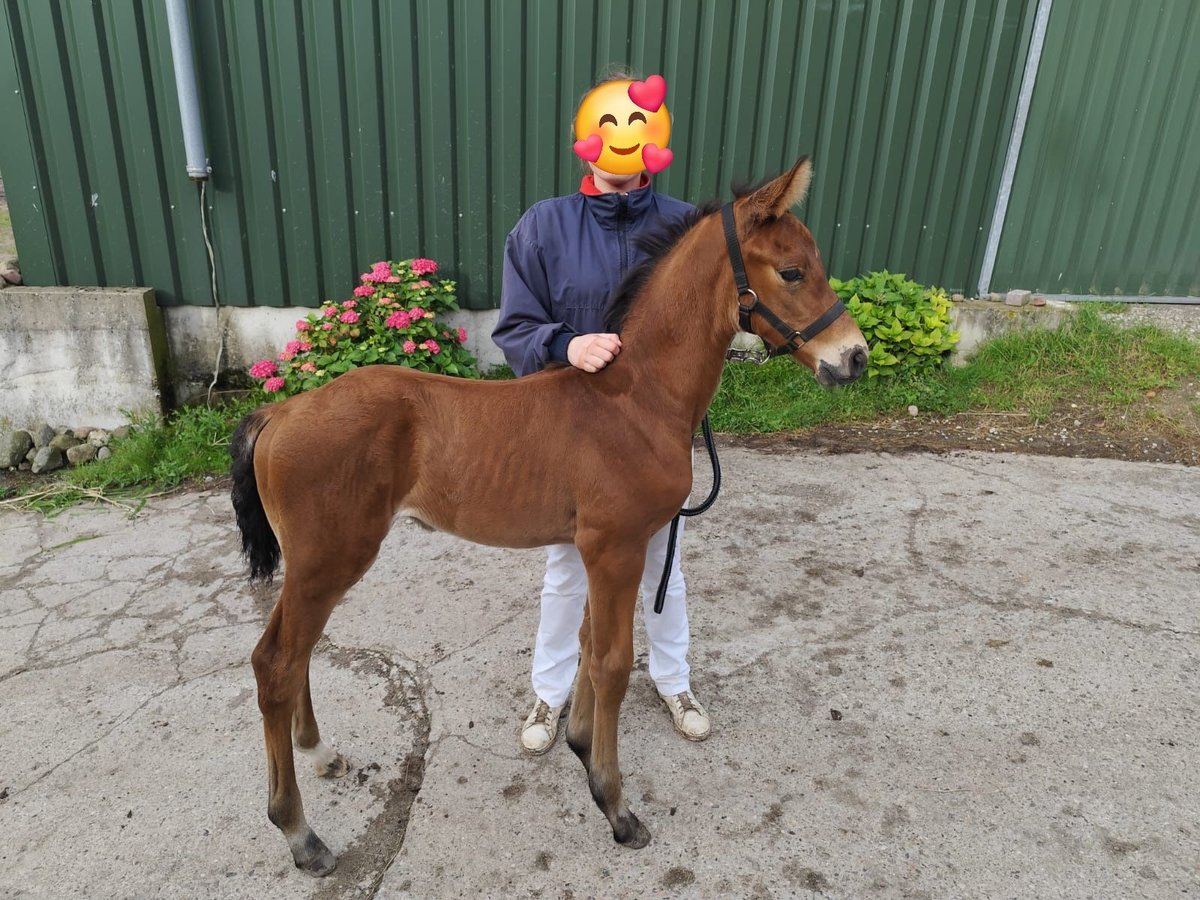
(562, 260)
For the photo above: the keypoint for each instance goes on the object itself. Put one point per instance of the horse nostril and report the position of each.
(858, 361)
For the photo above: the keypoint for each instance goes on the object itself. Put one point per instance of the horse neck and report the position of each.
(678, 327)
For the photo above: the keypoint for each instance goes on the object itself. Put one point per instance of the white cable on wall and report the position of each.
(212, 269)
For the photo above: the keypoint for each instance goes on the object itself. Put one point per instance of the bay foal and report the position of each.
(601, 460)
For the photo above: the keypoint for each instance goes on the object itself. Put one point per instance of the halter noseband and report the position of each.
(793, 340)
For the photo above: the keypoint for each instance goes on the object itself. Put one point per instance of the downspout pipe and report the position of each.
(180, 28)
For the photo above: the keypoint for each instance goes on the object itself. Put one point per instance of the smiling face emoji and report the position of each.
(620, 136)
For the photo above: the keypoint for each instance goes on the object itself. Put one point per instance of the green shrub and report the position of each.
(906, 324)
(391, 319)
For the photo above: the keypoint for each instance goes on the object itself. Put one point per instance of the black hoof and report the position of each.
(314, 857)
(630, 832)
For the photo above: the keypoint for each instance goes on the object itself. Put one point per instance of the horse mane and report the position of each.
(656, 245)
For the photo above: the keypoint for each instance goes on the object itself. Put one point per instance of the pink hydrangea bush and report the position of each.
(392, 318)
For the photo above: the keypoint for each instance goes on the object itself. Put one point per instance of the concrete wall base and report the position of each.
(258, 333)
(73, 356)
(977, 321)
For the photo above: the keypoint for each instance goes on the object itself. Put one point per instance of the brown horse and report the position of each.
(601, 460)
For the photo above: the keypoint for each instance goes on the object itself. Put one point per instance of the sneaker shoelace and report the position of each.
(687, 702)
(541, 714)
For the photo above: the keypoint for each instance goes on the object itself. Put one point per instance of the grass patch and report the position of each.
(155, 457)
(1087, 360)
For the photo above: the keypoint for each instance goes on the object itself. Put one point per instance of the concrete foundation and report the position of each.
(978, 321)
(258, 333)
(73, 355)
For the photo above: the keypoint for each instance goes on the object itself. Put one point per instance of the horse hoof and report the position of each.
(314, 858)
(334, 768)
(632, 833)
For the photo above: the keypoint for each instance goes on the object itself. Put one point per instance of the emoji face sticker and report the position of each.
(623, 127)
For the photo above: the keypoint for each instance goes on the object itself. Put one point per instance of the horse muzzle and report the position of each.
(849, 368)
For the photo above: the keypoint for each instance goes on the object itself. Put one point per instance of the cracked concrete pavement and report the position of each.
(930, 676)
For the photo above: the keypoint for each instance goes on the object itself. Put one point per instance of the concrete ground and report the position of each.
(931, 676)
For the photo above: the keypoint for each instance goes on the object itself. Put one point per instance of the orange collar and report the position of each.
(588, 188)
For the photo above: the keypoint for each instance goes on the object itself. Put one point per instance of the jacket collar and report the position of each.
(615, 211)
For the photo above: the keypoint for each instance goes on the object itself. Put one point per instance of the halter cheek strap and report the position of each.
(748, 302)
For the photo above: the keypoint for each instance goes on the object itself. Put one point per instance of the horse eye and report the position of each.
(636, 115)
(608, 117)
(792, 275)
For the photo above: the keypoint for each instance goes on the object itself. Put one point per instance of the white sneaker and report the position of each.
(688, 716)
(541, 728)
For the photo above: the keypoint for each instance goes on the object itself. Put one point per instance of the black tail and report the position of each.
(259, 544)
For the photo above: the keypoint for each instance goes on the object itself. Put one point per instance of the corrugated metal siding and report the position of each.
(1106, 198)
(340, 133)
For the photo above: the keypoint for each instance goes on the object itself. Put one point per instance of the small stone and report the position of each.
(121, 432)
(1037, 300)
(98, 436)
(11, 276)
(957, 298)
(912, 411)
(83, 431)
(83, 453)
(63, 441)
(31, 454)
(42, 434)
(25, 467)
(13, 447)
(103, 453)
(1017, 298)
(47, 460)
(995, 298)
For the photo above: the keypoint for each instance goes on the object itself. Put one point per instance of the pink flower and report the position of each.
(350, 304)
(305, 346)
(462, 335)
(393, 280)
(398, 319)
(431, 345)
(416, 312)
(423, 283)
(286, 355)
(271, 385)
(329, 311)
(364, 290)
(424, 266)
(302, 325)
(292, 347)
(328, 326)
(349, 317)
(409, 346)
(263, 369)
(307, 367)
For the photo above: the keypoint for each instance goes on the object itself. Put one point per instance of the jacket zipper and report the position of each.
(622, 216)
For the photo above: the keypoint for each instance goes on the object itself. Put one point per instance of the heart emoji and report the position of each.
(590, 148)
(656, 160)
(649, 94)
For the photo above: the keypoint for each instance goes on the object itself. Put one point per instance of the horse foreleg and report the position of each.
(306, 737)
(613, 576)
(583, 704)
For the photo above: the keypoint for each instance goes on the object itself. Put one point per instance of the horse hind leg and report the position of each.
(306, 737)
(281, 662)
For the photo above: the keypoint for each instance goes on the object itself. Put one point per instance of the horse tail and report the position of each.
(259, 544)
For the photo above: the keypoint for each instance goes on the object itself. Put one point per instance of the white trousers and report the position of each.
(564, 594)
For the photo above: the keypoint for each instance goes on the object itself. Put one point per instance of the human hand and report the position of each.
(592, 352)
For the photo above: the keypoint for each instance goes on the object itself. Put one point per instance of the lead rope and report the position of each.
(661, 597)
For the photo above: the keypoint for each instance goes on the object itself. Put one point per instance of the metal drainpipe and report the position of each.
(185, 84)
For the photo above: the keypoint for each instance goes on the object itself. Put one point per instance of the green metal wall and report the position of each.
(344, 132)
(1106, 197)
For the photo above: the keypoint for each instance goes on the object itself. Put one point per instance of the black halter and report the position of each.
(793, 340)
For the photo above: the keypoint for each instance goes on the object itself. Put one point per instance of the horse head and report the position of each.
(785, 297)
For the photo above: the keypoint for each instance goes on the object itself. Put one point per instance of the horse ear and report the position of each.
(779, 195)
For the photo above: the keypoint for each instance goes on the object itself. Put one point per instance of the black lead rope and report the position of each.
(661, 597)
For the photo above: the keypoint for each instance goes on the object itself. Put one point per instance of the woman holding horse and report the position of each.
(562, 261)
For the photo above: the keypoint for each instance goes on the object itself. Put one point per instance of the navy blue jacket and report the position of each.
(562, 259)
